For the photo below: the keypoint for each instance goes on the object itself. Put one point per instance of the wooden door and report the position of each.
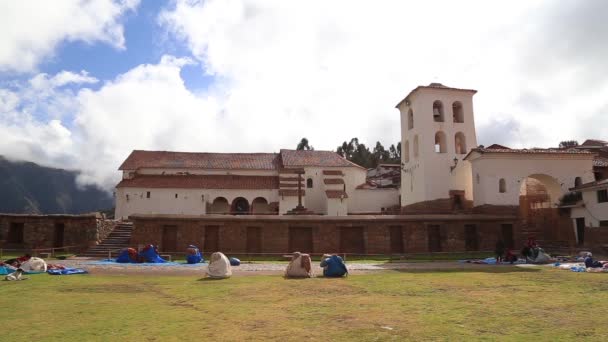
(59, 234)
(471, 238)
(396, 236)
(169, 243)
(580, 231)
(212, 239)
(300, 239)
(507, 235)
(254, 240)
(15, 233)
(434, 238)
(352, 240)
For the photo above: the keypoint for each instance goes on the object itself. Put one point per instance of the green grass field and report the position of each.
(500, 303)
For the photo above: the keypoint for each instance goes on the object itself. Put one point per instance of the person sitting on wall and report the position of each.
(300, 266)
(219, 266)
(15, 276)
(150, 254)
(333, 266)
(499, 250)
(590, 263)
(193, 255)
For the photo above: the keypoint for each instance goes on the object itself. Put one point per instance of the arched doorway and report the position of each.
(220, 205)
(240, 206)
(260, 206)
(539, 197)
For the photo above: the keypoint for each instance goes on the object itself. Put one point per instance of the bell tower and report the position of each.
(437, 132)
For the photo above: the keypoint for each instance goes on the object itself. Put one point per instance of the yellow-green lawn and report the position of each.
(489, 303)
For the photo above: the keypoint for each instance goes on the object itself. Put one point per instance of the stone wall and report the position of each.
(46, 231)
(351, 234)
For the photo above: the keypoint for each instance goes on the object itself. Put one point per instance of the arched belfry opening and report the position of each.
(460, 143)
(440, 142)
(438, 111)
(457, 112)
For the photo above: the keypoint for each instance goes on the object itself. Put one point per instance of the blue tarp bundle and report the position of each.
(334, 266)
(127, 256)
(7, 270)
(67, 271)
(234, 262)
(196, 257)
(150, 254)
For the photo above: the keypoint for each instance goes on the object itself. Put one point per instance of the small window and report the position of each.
(578, 181)
(457, 112)
(148, 194)
(406, 151)
(175, 195)
(604, 223)
(477, 178)
(438, 111)
(602, 196)
(309, 183)
(502, 186)
(416, 146)
(410, 119)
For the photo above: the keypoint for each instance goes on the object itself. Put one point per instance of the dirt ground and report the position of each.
(259, 268)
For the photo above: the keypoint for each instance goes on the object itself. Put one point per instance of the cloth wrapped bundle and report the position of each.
(34, 264)
(193, 255)
(300, 266)
(235, 262)
(128, 255)
(219, 266)
(333, 266)
(150, 254)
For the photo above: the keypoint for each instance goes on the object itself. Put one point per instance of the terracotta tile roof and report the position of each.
(529, 151)
(333, 173)
(164, 159)
(597, 184)
(288, 192)
(594, 142)
(434, 86)
(201, 182)
(288, 185)
(497, 147)
(335, 194)
(600, 162)
(293, 158)
(390, 165)
(333, 181)
(289, 179)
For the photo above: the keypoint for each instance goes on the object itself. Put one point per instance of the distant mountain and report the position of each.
(30, 188)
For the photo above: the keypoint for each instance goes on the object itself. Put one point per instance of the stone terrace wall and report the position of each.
(351, 234)
(40, 231)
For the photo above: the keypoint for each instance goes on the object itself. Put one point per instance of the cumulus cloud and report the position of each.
(32, 29)
(328, 71)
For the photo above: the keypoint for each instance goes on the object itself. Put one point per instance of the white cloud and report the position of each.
(332, 70)
(32, 29)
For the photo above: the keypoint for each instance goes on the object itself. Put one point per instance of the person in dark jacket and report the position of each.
(333, 266)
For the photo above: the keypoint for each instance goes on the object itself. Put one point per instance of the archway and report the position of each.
(260, 206)
(240, 206)
(539, 196)
(220, 205)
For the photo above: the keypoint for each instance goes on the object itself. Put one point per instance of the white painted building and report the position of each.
(181, 183)
(592, 209)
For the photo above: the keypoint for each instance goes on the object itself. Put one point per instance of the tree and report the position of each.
(568, 144)
(304, 146)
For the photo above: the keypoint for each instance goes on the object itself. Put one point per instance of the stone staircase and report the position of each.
(118, 239)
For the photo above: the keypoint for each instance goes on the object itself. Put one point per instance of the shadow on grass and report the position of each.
(211, 279)
(469, 270)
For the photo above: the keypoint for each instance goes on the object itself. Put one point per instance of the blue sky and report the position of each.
(84, 82)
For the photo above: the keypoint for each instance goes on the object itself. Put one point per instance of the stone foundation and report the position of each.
(46, 231)
(386, 234)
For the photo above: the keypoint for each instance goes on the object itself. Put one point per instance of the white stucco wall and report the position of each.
(556, 172)
(372, 200)
(593, 212)
(337, 207)
(428, 176)
(188, 201)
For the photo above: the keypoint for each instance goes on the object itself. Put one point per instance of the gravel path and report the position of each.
(257, 268)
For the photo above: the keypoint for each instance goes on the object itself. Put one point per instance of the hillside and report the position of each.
(30, 188)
